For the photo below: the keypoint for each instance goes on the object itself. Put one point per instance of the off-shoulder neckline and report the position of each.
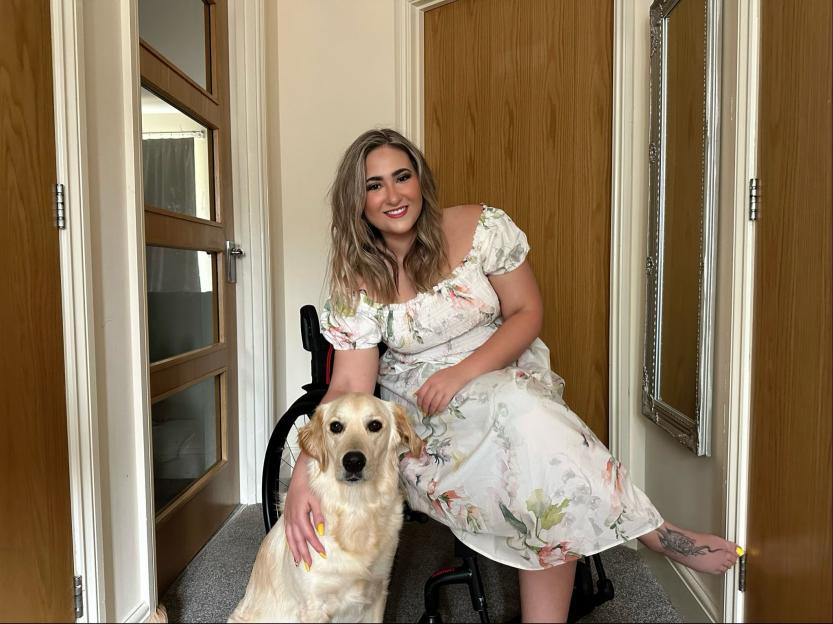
(442, 283)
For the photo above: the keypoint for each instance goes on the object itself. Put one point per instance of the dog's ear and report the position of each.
(406, 432)
(311, 437)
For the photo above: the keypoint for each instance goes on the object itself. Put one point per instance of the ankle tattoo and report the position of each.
(675, 541)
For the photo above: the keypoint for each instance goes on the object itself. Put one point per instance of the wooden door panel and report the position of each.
(35, 527)
(518, 114)
(789, 541)
(198, 487)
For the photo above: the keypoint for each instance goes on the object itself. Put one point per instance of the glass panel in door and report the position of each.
(186, 440)
(182, 301)
(176, 157)
(179, 30)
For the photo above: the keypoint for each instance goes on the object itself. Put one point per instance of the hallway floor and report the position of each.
(210, 587)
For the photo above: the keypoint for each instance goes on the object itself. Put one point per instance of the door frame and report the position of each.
(254, 302)
(629, 213)
(77, 306)
(744, 136)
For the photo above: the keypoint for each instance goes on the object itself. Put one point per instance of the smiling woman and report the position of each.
(355, 247)
(394, 201)
(512, 471)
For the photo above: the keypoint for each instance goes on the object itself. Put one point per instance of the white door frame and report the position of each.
(254, 302)
(410, 19)
(255, 336)
(77, 305)
(744, 131)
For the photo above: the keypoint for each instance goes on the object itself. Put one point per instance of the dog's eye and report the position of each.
(374, 426)
(336, 427)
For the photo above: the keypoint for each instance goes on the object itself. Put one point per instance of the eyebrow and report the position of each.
(393, 175)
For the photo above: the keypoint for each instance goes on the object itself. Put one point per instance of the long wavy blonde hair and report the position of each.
(359, 257)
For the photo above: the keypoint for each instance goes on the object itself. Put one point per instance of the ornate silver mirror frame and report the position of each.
(683, 161)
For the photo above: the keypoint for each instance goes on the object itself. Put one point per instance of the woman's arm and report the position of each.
(522, 311)
(353, 371)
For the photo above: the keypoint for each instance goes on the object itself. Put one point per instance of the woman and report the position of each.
(508, 467)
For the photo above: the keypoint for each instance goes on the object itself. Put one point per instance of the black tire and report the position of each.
(282, 452)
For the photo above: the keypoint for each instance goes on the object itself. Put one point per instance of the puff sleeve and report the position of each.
(503, 246)
(350, 329)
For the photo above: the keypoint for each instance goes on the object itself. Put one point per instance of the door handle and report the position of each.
(233, 251)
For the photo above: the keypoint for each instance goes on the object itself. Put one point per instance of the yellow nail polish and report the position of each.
(320, 529)
(739, 551)
(306, 566)
(323, 555)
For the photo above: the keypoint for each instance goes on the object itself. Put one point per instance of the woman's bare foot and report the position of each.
(699, 551)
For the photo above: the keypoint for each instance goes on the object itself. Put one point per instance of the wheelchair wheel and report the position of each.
(282, 453)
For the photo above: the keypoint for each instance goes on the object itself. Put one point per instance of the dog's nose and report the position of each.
(353, 461)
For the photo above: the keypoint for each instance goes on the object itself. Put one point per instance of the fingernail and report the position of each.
(739, 551)
(306, 566)
(320, 529)
(323, 555)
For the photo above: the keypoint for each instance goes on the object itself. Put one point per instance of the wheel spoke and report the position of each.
(289, 453)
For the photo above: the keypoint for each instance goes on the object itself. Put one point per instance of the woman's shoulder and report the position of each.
(457, 216)
(459, 225)
(466, 212)
(461, 218)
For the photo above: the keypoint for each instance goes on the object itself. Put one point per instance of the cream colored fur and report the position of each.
(362, 520)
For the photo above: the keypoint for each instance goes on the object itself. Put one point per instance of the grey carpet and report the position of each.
(213, 583)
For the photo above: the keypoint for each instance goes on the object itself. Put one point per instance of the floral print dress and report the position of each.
(507, 466)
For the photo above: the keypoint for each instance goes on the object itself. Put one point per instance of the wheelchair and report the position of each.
(282, 453)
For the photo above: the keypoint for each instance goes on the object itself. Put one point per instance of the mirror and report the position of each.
(683, 161)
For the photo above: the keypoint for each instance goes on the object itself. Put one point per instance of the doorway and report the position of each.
(186, 171)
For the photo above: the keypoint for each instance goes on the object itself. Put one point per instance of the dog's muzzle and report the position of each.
(353, 462)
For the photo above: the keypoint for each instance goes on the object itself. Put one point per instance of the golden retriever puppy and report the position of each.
(354, 442)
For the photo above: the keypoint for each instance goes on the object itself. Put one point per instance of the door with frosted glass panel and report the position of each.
(186, 173)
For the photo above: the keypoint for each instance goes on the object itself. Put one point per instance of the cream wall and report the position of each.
(335, 71)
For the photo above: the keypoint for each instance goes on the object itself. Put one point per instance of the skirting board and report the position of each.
(682, 596)
(140, 613)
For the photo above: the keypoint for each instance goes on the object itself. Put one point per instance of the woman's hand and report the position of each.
(300, 503)
(438, 390)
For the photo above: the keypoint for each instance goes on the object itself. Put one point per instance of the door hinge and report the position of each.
(79, 596)
(754, 199)
(60, 212)
(742, 573)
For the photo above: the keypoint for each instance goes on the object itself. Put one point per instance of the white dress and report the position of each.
(508, 467)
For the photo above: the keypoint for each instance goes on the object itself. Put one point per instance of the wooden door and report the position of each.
(788, 575)
(186, 164)
(35, 525)
(518, 114)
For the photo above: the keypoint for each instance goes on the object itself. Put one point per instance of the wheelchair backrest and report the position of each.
(322, 352)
